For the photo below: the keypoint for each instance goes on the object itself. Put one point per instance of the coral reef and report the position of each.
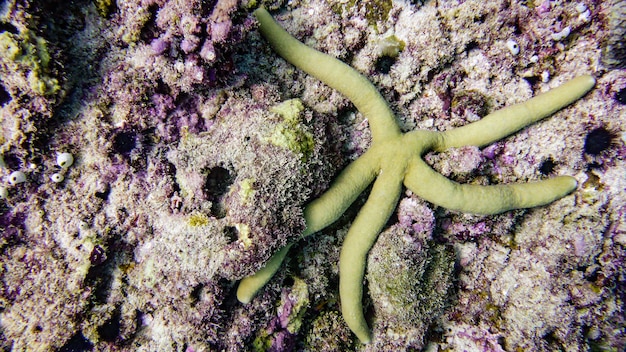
(169, 109)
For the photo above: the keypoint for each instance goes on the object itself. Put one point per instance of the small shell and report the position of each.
(56, 178)
(513, 46)
(4, 192)
(83, 226)
(65, 160)
(17, 177)
(585, 16)
(564, 33)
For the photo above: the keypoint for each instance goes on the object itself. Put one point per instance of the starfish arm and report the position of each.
(249, 286)
(507, 121)
(344, 190)
(318, 214)
(422, 180)
(334, 73)
(360, 238)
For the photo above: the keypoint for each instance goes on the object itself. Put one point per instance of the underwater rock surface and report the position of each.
(194, 148)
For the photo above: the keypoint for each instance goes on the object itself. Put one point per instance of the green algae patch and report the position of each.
(391, 46)
(198, 220)
(29, 53)
(291, 133)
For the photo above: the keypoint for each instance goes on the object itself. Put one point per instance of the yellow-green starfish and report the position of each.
(394, 159)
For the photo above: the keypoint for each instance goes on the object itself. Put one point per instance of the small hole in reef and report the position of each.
(620, 96)
(5, 97)
(288, 282)
(384, 63)
(7, 27)
(594, 166)
(78, 342)
(471, 46)
(110, 330)
(150, 29)
(551, 338)
(124, 142)
(196, 293)
(231, 234)
(12, 161)
(162, 88)
(592, 276)
(217, 184)
(103, 194)
(532, 80)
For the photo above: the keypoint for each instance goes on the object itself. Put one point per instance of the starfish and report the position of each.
(395, 159)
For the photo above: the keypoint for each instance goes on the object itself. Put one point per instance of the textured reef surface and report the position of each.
(154, 152)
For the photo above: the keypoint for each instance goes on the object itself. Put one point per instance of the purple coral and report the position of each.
(12, 224)
(413, 214)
